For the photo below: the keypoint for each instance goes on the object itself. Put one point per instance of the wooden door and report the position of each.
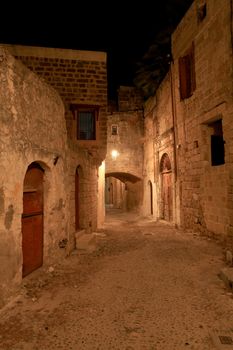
(166, 190)
(32, 219)
(167, 196)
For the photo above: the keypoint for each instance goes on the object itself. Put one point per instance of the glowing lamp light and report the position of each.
(115, 154)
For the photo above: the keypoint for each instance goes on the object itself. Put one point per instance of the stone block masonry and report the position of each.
(28, 109)
(205, 197)
(191, 111)
(125, 136)
(80, 77)
(38, 86)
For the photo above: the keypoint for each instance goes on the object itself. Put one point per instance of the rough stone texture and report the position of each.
(28, 109)
(202, 193)
(88, 190)
(129, 99)
(206, 198)
(226, 274)
(159, 140)
(147, 286)
(35, 126)
(128, 142)
(115, 193)
(80, 77)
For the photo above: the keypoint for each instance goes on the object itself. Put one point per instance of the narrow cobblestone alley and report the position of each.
(145, 286)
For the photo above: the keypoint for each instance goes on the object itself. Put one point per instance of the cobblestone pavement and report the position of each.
(147, 286)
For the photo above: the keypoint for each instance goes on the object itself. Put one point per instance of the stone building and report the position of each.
(53, 106)
(188, 125)
(170, 157)
(124, 159)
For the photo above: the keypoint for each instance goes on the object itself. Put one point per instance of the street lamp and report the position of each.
(115, 154)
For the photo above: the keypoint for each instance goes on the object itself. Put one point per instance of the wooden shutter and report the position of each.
(192, 69)
(185, 76)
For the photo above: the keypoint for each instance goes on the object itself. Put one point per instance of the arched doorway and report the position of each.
(32, 219)
(150, 196)
(166, 188)
(125, 192)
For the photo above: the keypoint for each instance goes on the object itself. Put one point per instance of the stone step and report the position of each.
(226, 274)
(85, 241)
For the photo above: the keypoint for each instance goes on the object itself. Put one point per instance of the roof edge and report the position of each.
(67, 54)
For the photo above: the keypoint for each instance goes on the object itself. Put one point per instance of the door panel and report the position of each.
(167, 196)
(32, 219)
(32, 243)
(32, 202)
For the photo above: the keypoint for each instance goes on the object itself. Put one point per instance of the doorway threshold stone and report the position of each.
(85, 241)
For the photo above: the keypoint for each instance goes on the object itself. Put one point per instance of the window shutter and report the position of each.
(182, 75)
(192, 67)
(185, 81)
(188, 76)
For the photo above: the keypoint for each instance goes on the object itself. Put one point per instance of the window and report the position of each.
(114, 130)
(187, 74)
(217, 143)
(86, 125)
(85, 118)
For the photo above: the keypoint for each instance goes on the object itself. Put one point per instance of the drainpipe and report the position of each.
(231, 5)
(174, 118)
(231, 24)
(177, 189)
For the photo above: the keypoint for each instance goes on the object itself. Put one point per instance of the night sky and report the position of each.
(132, 34)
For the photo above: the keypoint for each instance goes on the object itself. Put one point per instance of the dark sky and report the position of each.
(125, 30)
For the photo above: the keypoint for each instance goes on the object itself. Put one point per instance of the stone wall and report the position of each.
(127, 142)
(125, 137)
(183, 125)
(80, 77)
(149, 176)
(159, 141)
(115, 193)
(37, 127)
(206, 197)
(28, 109)
(129, 99)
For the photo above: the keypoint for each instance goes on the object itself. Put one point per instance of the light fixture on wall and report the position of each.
(114, 154)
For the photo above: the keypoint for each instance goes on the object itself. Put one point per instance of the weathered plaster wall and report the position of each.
(28, 109)
(80, 77)
(88, 190)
